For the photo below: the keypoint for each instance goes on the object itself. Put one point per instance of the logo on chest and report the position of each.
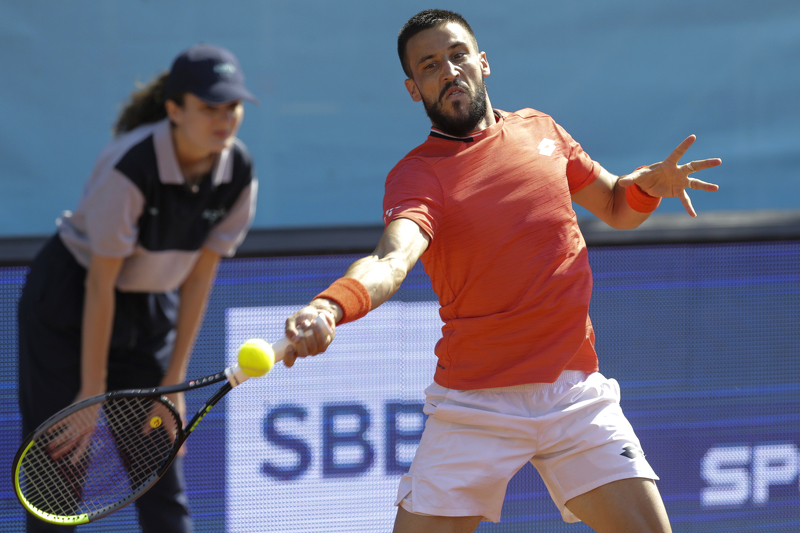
(212, 215)
(546, 147)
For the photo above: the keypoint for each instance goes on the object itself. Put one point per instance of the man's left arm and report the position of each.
(625, 202)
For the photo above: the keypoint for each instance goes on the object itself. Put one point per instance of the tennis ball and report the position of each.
(256, 357)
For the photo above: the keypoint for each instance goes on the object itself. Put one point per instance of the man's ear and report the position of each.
(411, 87)
(485, 70)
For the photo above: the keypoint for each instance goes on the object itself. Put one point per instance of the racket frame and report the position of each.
(234, 376)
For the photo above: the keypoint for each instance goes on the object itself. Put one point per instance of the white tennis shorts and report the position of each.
(573, 431)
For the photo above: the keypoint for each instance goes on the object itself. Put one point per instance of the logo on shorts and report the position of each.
(631, 451)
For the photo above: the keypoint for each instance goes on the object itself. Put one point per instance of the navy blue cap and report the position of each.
(209, 72)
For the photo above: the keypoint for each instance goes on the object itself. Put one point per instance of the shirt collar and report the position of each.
(477, 136)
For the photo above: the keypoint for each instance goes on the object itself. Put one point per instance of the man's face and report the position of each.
(447, 77)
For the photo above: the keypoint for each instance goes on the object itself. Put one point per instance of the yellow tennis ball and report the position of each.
(256, 357)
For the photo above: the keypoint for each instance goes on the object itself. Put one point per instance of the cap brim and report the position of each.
(221, 93)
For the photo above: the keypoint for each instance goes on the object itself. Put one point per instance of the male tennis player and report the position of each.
(486, 203)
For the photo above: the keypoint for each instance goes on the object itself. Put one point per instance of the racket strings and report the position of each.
(98, 456)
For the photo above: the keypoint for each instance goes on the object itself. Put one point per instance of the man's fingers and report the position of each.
(700, 185)
(695, 166)
(687, 203)
(630, 179)
(626, 181)
(678, 152)
(289, 357)
(310, 339)
(290, 328)
(327, 326)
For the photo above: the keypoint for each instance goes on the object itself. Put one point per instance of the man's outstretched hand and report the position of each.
(669, 178)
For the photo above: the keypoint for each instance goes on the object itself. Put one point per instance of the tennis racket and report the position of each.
(98, 455)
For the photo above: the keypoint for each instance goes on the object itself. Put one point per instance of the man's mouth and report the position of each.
(452, 89)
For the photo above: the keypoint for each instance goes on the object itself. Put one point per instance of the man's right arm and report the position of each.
(381, 274)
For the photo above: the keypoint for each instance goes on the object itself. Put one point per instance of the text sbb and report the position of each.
(336, 436)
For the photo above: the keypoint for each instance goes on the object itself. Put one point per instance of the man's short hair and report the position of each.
(424, 20)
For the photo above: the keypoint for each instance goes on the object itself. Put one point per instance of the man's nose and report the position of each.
(449, 71)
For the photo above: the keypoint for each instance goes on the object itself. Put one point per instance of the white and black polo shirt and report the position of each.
(137, 205)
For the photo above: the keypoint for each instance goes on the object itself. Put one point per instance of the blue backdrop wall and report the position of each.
(628, 79)
(702, 339)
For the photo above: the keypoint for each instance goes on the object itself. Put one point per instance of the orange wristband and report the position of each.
(351, 296)
(640, 201)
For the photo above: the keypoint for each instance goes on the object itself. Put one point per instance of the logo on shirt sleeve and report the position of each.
(389, 212)
(547, 147)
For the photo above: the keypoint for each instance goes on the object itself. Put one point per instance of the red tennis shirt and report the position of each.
(506, 258)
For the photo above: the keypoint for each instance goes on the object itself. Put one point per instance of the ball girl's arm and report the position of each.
(98, 319)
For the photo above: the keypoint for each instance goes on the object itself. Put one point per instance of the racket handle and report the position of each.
(280, 347)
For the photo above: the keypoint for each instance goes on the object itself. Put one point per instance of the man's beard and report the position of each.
(463, 121)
